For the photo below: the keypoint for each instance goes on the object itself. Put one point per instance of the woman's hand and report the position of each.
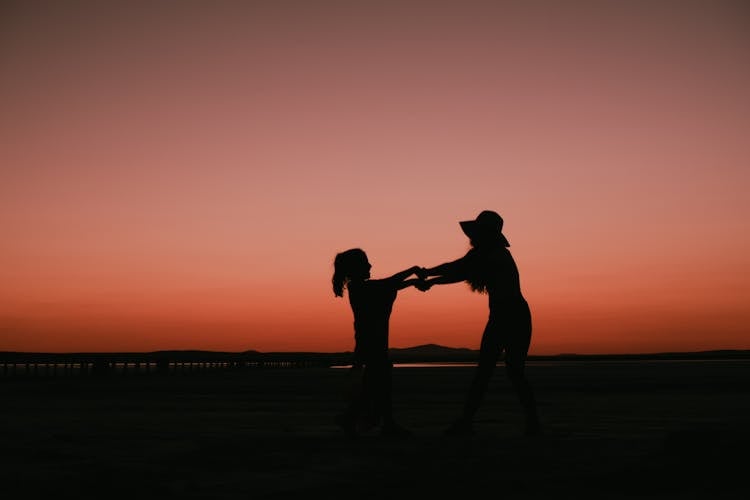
(422, 285)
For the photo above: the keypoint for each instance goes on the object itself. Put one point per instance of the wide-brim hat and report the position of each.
(487, 224)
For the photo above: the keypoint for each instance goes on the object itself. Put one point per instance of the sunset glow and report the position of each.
(180, 175)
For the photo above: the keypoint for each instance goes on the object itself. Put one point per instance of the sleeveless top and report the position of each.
(493, 270)
(372, 304)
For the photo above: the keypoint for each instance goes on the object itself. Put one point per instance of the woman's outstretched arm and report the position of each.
(418, 283)
(441, 280)
(448, 272)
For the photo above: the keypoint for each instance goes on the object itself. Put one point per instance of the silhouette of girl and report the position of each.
(489, 268)
(371, 302)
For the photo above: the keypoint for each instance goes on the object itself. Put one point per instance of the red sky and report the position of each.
(180, 175)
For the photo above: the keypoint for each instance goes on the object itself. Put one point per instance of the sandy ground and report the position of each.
(670, 429)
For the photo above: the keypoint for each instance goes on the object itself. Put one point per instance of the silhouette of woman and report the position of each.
(489, 268)
(371, 302)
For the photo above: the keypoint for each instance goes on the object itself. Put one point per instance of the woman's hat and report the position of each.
(487, 223)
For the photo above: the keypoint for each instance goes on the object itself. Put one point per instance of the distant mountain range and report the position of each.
(435, 352)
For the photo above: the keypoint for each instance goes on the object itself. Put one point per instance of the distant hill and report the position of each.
(436, 352)
(432, 352)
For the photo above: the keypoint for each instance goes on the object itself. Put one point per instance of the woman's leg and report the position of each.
(516, 352)
(489, 352)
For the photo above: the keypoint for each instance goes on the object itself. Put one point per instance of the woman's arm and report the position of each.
(418, 283)
(442, 280)
(448, 272)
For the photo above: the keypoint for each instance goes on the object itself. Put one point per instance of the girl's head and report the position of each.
(349, 265)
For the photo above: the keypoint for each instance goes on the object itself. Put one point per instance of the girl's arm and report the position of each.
(399, 281)
(402, 275)
(420, 284)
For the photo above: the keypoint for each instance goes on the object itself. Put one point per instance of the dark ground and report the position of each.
(621, 429)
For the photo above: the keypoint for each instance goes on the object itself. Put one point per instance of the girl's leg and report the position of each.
(376, 402)
(356, 401)
(391, 427)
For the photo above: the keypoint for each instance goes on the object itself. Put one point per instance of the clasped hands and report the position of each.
(422, 284)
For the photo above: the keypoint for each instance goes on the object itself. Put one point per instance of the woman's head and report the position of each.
(349, 265)
(486, 229)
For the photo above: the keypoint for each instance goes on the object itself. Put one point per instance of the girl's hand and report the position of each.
(422, 285)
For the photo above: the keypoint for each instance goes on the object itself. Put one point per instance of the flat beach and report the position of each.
(612, 429)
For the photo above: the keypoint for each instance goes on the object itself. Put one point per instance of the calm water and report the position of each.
(580, 362)
(63, 369)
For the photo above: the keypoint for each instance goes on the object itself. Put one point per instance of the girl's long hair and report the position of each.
(343, 266)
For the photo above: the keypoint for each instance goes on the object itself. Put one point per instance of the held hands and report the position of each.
(422, 284)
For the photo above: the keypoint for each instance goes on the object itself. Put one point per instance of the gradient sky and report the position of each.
(180, 175)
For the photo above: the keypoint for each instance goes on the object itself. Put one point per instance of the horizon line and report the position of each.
(435, 346)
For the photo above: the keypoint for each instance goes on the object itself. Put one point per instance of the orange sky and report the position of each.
(180, 175)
